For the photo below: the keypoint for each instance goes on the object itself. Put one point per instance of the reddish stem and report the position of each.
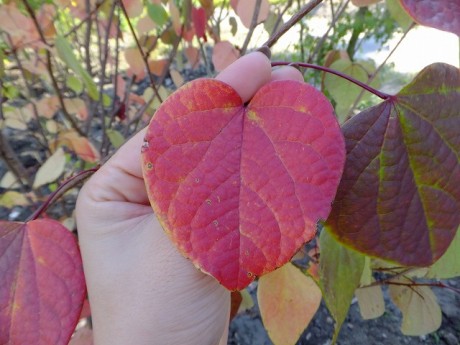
(65, 186)
(366, 87)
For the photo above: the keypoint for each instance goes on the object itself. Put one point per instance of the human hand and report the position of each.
(141, 290)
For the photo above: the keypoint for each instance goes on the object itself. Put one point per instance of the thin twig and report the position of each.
(62, 189)
(88, 36)
(376, 92)
(335, 17)
(412, 284)
(144, 57)
(280, 17)
(253, 25)
(374, 75)
(49, 67)
(291, 22)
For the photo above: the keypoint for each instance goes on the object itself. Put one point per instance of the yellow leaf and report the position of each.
(288, 300)
(9, 181)
(246, 301)
(371, 302)
(51, 169)
(420, 310)
(13, 198)
(76, 106)
(136, 63)
(144, 25)
(175, 17)
(176, 78)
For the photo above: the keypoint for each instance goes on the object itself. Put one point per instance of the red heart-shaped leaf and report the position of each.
(42, 284)
(240, 188)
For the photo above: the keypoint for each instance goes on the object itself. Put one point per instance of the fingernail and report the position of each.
(266, 51)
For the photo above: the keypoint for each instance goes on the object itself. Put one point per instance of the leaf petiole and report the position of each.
(366, 87)
(64, 187)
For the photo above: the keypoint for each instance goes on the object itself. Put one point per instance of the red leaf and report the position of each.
(399, 198)
(199, 21)
(239, 188)
(439, 14)
(43, 286)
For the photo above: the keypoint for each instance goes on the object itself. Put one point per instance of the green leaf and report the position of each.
(399, 197)
(233, 25)
(116, 138)
(67, 55)
(74, 84)
(344, 92)
(448, 265)
(10, 91)
(106, 100)
(157, 13)
(340, 272)
(366, 277)
(399, 14)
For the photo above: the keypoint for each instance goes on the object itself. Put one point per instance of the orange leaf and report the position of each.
(136, 63)
(48, 106)
(175, 17)
(223, 55)
(45, 17)
(80, 145)
(245, 10)
(144, 25)
(288, 300)
(193, 56)
(157, 66)
(133, 7)
(20, 28)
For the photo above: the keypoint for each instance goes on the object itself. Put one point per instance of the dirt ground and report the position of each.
(247, 328)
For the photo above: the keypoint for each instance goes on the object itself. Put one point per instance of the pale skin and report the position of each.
(141, 289)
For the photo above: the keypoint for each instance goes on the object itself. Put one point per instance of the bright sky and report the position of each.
(421, 47)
